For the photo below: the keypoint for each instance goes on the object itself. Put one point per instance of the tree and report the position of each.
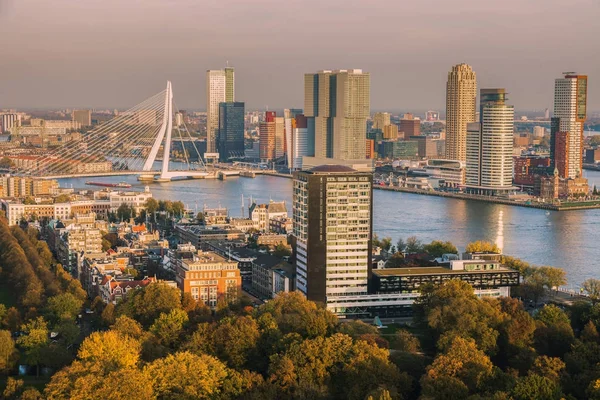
(108, 315)
(151, 206)
(200, 217)
(592, 288)
(109, 351)
(235, 339)
(6, 163)
(594, 140)
(400, 245)
(169, 327)
(62, 198)
(386, 243)
(549, 367)
(185, 375)
(405, 341)
(125, 212)
(554, 334)
(535, 387)
(29, 200)
(356, 328)
(106, 245)
(395, 261)
(64, 306)
(413, 245)
(281, 251)
(147, 303)
(438, 248)
(178, 208)
(8, 352)
(128, 327)
(293, 313)
(13, 387)
(462, 368)
(34, 341)
(553, 277)
(482, 246)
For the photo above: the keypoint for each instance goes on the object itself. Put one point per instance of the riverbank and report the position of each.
(488, 199)
(495, 200)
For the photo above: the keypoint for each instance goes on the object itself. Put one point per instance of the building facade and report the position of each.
(219, 83)
(570, 113)
(337, 105)
(332, 216)
(410, 125)
(461, 93)
(490, 144)
(266, 137)
(82, 117)
(231, 130)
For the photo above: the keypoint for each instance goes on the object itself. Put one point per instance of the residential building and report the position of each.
(197, 235)
(271, 240)
(8, 121)
(218, 216)
(136, 200)
(461, 92)
(562, 153)
(237, 251)
(539, 132)
(390, 132)
(261, 214)
(332, 213)
(490, 144)
(427, 147)
(370, 153)
(231, 130)
(592, 156)
(529, 168)
(570, 113)
(113, 290)
(337, 105)
(208, 277)
(271, 275)
(220, 88)
(82, 117)
(555, 187)
(410, 125)
(267, 137)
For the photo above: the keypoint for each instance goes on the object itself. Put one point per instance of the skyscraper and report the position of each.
(410, 125)
(332, 216)
(266, 137)
(489, 145)
(570, 112)
(337, 105)
(219, 89)
(231, 130)
(279, 137)
(461, 92)
(297, 141)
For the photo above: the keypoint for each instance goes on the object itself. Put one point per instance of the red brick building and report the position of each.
(561, 154)
(527, 169)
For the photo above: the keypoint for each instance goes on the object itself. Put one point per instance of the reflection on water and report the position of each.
(563, 239)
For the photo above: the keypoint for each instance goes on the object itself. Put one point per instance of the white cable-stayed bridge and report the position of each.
(128, 144)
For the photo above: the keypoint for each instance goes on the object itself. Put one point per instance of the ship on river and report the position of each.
(106, 184)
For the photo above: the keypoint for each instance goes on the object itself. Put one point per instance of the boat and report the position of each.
(106, 184)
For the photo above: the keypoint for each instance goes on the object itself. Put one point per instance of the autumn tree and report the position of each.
(554, 334)
(438, 248)
(461, 370)
(413, 245)
(482, 246)
(147, 303)
(8, 352)
(405, 341)
(34, 341)
(169, 327)
(592, 288)
(151, 206)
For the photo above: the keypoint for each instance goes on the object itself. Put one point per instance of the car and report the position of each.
(89, 311)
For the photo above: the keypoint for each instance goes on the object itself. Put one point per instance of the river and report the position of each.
(566, 239)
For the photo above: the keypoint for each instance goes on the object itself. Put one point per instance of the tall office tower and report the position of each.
(410, 125)
(266, 137)
(231, 130)
(381, 120)
(461, 92)
(390, 132)
(219, 89)
(332, 219)
(489, 145)
(84, 117)
(229, 85)
(297, 141)
(291, 112)
(279, 137)
(546, 114)
(570, 109)
(337, 105)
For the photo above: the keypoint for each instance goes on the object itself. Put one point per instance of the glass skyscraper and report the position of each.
(231, 130)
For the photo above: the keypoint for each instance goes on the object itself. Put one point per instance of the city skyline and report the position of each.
(45, 66)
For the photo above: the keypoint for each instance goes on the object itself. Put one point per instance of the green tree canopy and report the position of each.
(438, 248)
(482, 246)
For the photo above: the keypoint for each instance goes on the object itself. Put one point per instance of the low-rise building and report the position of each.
(271, 240)
(199, 234)
(261, 214)
(113, 290)
(555, 187)
(208, 277)
(238, 252)
(271, 275)
(281, 225)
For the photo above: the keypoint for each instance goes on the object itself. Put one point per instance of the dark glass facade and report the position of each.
(230, 141)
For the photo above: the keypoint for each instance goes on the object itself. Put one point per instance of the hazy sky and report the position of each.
(116, 53)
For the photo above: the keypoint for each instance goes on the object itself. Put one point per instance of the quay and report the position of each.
(489, 199)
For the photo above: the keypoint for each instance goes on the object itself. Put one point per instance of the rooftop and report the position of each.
(332, 168)
(434, 271)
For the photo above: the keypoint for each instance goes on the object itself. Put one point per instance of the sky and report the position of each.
(116, 53)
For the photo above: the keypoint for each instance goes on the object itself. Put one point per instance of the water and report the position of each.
(562, 239)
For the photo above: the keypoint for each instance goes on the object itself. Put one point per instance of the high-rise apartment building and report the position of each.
(332, 217)
(489, 145)
(220, 88)
(461, 93)
(561, 153)
(83, 117)
(266, 137)
(570, 112)
(337, 104)
(381, 120)
(9, 121)
(231, 130)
